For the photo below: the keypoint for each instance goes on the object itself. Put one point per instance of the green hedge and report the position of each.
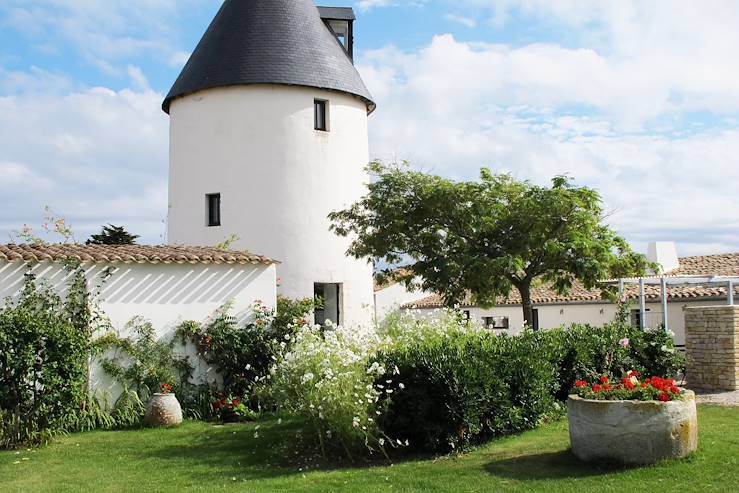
(462, 386)
(466, 387)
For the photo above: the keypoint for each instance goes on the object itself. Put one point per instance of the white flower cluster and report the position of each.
(331, 378)
(328, 378)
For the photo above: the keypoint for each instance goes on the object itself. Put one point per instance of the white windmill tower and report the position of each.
(268, 134)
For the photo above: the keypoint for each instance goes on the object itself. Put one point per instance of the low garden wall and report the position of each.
(712, 346)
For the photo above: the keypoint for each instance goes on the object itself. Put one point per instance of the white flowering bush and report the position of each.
(330, 380)
(404, 328)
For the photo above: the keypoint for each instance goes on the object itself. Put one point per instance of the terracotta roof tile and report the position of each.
(129, 253)
(707, 265)
(725, 264)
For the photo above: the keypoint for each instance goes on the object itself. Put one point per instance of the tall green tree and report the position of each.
(112, 235)
(485, 237)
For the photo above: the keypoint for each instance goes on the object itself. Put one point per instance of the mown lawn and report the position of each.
(202, 457)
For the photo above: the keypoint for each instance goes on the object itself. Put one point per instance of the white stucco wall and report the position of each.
(164, 294)
(392, 297)
(278, 179)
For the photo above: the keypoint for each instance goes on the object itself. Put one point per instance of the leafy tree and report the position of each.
(112, 235)
(485, 237)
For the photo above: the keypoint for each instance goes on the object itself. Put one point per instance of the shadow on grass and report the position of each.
(233, 451)
(548, 465)
(274, 450)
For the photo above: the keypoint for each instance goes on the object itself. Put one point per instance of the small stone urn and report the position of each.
(163, 410)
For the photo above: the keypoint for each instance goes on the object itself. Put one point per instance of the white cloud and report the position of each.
(138, 79)
(14, 174)
(460, 19)
(93, 154)
(623, 126)
(179, 59)
(102, 32)
(365, 5)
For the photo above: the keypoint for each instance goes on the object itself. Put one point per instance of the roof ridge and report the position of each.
(12, 252)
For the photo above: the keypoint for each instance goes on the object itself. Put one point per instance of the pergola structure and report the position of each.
(677, 281)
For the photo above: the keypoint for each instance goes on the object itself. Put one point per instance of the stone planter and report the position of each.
(163, 410)
(632, 432)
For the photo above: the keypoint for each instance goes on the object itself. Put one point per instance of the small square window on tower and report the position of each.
(320, 114)
(213, 209)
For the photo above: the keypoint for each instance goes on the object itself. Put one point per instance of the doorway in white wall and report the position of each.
(330, 294)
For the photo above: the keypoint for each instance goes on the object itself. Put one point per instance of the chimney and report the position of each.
(665, 254)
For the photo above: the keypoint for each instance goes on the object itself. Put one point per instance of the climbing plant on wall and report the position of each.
(44, 348)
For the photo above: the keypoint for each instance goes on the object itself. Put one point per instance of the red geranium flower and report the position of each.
(581, 383)
(597, 388)
(603, 379)
(664, 397)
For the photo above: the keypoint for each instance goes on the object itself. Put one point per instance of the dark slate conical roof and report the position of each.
(269, 42)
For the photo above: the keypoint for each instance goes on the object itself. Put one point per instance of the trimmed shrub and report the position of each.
(462, 384)
(653, 350)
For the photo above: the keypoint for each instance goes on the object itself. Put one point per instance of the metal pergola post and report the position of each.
(725, 282)
(642, 305)
(663, 286)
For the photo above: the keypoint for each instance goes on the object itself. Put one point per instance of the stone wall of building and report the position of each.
(712, 347)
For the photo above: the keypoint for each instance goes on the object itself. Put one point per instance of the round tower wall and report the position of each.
(278, 179)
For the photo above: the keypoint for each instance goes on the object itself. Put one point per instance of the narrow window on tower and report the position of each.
(213, 209)
(320, 114)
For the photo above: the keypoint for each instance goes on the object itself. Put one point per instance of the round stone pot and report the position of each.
(163, 410)
(632, 432)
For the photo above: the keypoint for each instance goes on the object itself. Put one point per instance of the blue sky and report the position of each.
(638, 99)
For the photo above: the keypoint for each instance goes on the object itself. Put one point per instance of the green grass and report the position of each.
(202, 457)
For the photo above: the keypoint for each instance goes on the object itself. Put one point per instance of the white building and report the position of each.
(162, 284)
(586, 306)
(391, 295)
(268, 135)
